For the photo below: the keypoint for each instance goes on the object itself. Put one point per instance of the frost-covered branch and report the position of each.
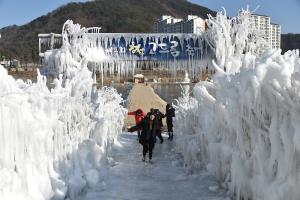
(76, 52)
(243, 127)
(231, 38)
(54, 142)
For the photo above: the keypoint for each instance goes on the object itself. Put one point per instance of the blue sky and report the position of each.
(23, 11)
(284, 12)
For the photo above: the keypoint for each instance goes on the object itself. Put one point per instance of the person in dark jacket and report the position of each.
(148, 126)
(170, 113)
(159, 116)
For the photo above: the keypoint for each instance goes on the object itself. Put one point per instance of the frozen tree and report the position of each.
(76, 52)
(54, 142)
(243, 125)
(230, 38)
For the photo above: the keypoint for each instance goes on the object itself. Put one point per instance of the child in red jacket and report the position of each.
(139, 115)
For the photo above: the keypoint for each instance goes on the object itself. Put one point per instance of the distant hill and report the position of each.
(290, 41)
(21, 42)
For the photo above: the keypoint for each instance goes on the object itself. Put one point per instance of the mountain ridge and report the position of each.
(290, 41)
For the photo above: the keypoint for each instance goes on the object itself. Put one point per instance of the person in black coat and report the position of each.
(148, 126)
(158, 117)
(170, 113)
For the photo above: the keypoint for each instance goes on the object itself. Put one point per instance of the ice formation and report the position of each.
(230, 37)
(54, 142)
(186, 78)
(243, 125)
(128, 53)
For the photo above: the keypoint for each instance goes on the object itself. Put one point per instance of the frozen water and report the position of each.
(124, 52)
(54, 142)
(243, 125)
(230, 37)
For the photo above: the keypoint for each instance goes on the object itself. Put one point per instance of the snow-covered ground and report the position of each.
(129, 178)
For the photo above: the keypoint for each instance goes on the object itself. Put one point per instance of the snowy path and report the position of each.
(131, 179)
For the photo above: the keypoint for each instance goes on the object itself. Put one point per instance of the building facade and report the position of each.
(275, 36)
(271, 32)
(190, 24)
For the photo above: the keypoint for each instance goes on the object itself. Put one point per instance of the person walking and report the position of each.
(170, 113)
(138, 115)
(158, 117)
(148, 127)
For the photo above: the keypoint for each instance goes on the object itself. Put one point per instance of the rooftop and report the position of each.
(260, 15)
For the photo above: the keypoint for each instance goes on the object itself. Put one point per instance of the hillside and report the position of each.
(290, 41)
(21, 42)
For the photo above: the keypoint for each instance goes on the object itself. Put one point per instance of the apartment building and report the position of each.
(190, 24)
(275, 36)
(271, 32)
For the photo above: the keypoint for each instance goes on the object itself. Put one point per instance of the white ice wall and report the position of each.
(53, 143)
(245, 127)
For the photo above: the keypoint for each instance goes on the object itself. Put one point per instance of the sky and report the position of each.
(283, 12)
(20, 12)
